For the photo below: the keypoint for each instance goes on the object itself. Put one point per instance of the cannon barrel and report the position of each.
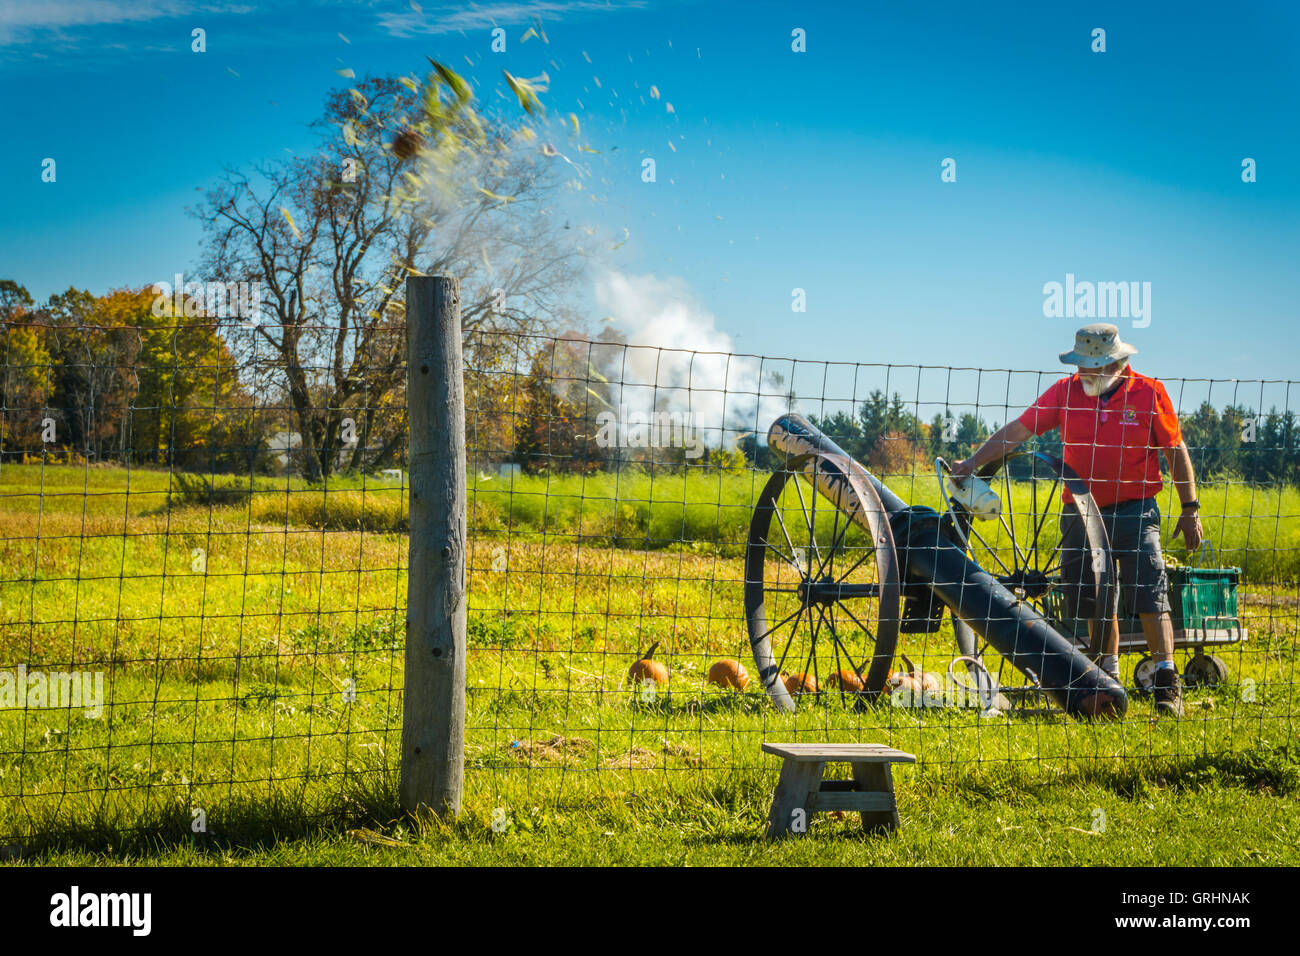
(1019, 633)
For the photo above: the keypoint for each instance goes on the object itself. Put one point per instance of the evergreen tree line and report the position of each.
(1235, 444)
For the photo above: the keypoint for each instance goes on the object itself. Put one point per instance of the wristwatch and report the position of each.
(1192, 504)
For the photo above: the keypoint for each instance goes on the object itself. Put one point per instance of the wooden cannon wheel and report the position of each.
(820, 600)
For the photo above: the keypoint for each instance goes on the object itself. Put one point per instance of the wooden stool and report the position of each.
(801, 788)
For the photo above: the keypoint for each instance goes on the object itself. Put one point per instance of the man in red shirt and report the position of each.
(1113, 424)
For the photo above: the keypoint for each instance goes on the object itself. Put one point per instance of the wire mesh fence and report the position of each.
(614, 524)
(201, 587)
(202, 574)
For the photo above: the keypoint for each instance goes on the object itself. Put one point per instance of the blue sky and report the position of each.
(817, 170)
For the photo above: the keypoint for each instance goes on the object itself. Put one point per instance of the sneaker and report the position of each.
(1169, 692)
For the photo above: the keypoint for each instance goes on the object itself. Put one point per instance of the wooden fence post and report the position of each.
(433, 711)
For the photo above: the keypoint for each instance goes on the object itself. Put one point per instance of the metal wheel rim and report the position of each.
(759, 551)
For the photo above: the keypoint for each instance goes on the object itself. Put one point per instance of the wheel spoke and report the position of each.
(829, 560)
(788, 559)
(1033, 514)
(840, 645)
(980, 538)
(1020, 560)
(790, 640)
(811, 663)
(812, 537)
(781, 521)
(811, 648)
(836, 540)
(865, 630)
(870, 551)
(1042, 521)
(781, 624)
(835, 646)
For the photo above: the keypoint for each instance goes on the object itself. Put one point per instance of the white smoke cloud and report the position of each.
(678, 360)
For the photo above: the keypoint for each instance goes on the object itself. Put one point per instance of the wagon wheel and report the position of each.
(1020, 548)
(821, 584)
(1205, 670)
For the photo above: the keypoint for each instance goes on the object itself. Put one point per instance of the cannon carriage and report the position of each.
(836, 602)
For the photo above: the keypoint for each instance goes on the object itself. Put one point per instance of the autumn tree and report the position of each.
(190, 407)
(409, 179)
(121, 382)
(24, 385)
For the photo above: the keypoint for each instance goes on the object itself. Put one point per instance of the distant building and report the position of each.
(280, 445)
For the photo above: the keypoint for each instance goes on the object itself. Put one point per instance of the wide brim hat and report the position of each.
(1096, 346)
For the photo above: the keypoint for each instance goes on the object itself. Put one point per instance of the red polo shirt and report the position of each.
(1113, 444)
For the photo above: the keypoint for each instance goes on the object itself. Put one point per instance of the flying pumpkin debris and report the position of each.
(407, 143)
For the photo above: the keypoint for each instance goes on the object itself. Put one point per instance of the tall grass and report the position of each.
(1254, 528)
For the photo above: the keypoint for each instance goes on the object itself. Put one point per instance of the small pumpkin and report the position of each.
(914, 684)
(909, 684)
(845, 679)
(799, 683)
(645, 668)
(729, 673)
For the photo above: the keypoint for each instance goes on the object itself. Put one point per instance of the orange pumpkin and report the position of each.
(914, 685)
(799, 683)
(646, 669)
(846, 679)
(907, 686)
(728, 673)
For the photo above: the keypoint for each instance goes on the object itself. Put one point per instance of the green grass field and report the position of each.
(252, 652)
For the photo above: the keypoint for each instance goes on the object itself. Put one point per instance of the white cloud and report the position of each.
(679, 360)
(435, 20)
(27, 20)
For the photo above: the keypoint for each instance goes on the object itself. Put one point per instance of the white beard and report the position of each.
(1094, 385)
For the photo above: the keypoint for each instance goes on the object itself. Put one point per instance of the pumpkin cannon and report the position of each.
(887, 568)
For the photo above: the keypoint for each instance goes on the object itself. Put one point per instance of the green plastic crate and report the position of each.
(1198, 597)
(1203, 597)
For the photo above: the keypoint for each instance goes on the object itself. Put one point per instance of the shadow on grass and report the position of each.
(717, 804)
(1272, 772)
(239, 824)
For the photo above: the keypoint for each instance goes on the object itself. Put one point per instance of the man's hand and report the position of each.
(1189, 526)
(997, 446)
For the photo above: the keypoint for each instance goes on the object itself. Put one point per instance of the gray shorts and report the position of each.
(1134, 530)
